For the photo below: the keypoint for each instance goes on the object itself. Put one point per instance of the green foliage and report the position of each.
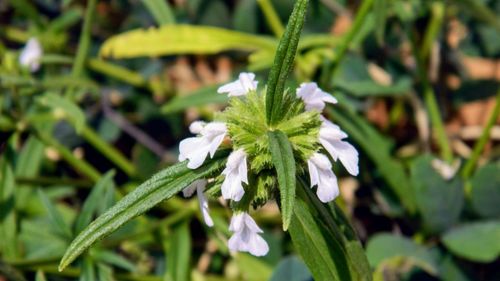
(479, 241)
(161, 186)
(284, 162)
(385, 247)
(283, 63)
(439, 201)
(63, 127)
(485, 193)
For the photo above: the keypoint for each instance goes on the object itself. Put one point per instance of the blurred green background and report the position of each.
(120, 81)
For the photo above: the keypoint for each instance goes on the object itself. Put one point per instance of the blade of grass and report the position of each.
(272, 17)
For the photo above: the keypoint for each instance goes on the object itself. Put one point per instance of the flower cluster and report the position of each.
(248, 178)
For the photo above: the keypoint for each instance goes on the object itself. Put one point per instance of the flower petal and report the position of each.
(204, 205)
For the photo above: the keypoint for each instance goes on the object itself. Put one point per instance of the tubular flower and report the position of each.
(330, 136)
(31, 54)
(236, 173)
(240, 87)
(246, 236)
(249, 178)
(199, 186)
(314, 98)
(196, 149)
(321, 174)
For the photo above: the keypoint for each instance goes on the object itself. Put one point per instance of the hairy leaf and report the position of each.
(161, 186)
(284, 162)
(283, 62)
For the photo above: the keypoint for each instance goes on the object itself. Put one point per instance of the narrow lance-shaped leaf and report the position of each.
(282, 154)
(283, 61)
(161, 186)
(91, 204)
(56, 218)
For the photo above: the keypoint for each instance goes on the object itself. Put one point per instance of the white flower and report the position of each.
(236, 173)
(246, 236)
(321, 174)
(314, 97)
(196, 149)
(330, 136)
(196, 127)
(199, 186)
(31, 54)
(240, 87)
(447, 171)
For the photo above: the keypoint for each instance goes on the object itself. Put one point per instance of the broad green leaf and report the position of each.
(291, 269)
(378, 148)
(382, 247)
(56, 218)
(182, 39)
(478, 241)
(439, 201)
(161, 11)
(161, 186)
(284, 162)
(90, 207)
(8, 224)
(200, 97)
(284, 61)
(179, 253)
(67, 109)
(316, 249)
(485, 194)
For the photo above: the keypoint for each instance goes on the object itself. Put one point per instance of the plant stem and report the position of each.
(78, 164)
(429, 95)
(483, 139)
(117, 72)
(84, 43)
(272, 17)
(347, 39)
(107, 150)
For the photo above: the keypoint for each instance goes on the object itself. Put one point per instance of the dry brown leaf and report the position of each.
(342, 24)
(379, 75)
(481, 68)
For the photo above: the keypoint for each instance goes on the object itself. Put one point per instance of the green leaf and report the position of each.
(485, 194)
(8, 224)
(283, 62)
(56, 218)
(88, 270)
(40, 276)
(252, 268)
(70, 110)
(179, 253)
(161, 186)
(380, 9)
(284, 162)
(439, 201)
(479, 241)
(183, 39)
(92, 202)
(204, 96)
(112, 258)
(378, 148)
(161, 11)
(291, 269)
(308, 237)
(383, 247)
(340, 232)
